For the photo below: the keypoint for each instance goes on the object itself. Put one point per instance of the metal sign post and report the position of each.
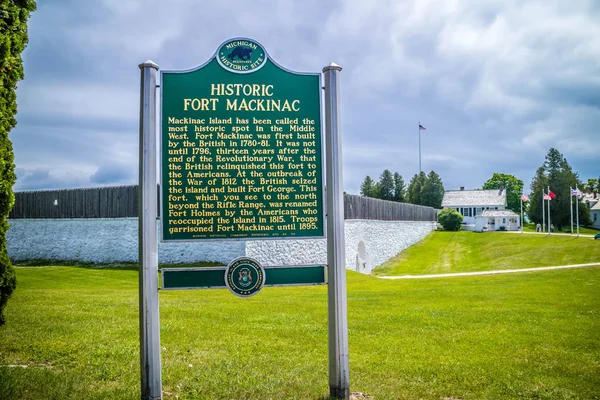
(147, 241)
(339, 377)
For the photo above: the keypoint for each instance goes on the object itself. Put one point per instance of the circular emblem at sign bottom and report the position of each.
(244, 276)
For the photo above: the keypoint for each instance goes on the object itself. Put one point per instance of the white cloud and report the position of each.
(496, 83)
(75, 100)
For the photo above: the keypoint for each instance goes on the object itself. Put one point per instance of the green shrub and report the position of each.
(13, 39)
(450, 219)
(502, 228)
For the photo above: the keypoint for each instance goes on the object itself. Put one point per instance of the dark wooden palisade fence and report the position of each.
(105, 202)
(359, 207)
(122, 202)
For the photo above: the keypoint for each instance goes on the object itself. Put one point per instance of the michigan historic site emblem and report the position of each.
(244, 276)
(241, 55)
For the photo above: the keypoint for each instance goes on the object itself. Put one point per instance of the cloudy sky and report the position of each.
(496, 83)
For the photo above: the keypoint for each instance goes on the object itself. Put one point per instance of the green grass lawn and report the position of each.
(445, 252)
(72, 333)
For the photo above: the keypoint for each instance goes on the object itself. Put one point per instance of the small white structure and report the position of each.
(482, 210)
(501, 220)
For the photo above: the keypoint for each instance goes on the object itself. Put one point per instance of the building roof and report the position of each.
(595, 206)
(498, 213)
(474, 198)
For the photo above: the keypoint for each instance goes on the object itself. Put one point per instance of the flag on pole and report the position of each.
(547, 197)
(524, 197)
(421, 127)
(551, 194)
(574, 192)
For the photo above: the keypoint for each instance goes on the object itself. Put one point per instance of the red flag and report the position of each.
(551, 194)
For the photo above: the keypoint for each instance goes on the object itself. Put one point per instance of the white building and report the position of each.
(595, 215)
(590, 199)
(592, 202)
(482, 210)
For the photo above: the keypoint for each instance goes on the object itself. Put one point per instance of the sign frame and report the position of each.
(333, 227)
(321, 134)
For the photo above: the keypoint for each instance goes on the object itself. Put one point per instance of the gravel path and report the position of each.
(503, 271)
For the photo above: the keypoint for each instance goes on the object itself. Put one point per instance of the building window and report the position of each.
(595, 217)
(478, 211)
(503, 220)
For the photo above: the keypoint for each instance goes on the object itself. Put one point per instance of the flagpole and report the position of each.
(549, 209)
(521, 213)
(571, 207)
(420, 147)
(543, 212)
(577, 209)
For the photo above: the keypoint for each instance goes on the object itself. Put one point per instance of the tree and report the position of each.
(413, 192)
(513, 187)
(450, 219)
(432, 192)
(13, 39)
(592, 185)
(557, 174)
(425, 190)
(386, 185)
(584, 215)
(399, 189)
(367, 188)
(538, 185)
(561, 181)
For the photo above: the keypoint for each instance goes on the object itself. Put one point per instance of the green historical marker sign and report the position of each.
(241, 149)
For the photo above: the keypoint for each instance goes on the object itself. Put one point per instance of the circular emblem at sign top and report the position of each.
(244, 276)
(241, 55)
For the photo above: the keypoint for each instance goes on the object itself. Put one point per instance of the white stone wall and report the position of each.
(368, 243)
(381, 240)
(103, 240)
